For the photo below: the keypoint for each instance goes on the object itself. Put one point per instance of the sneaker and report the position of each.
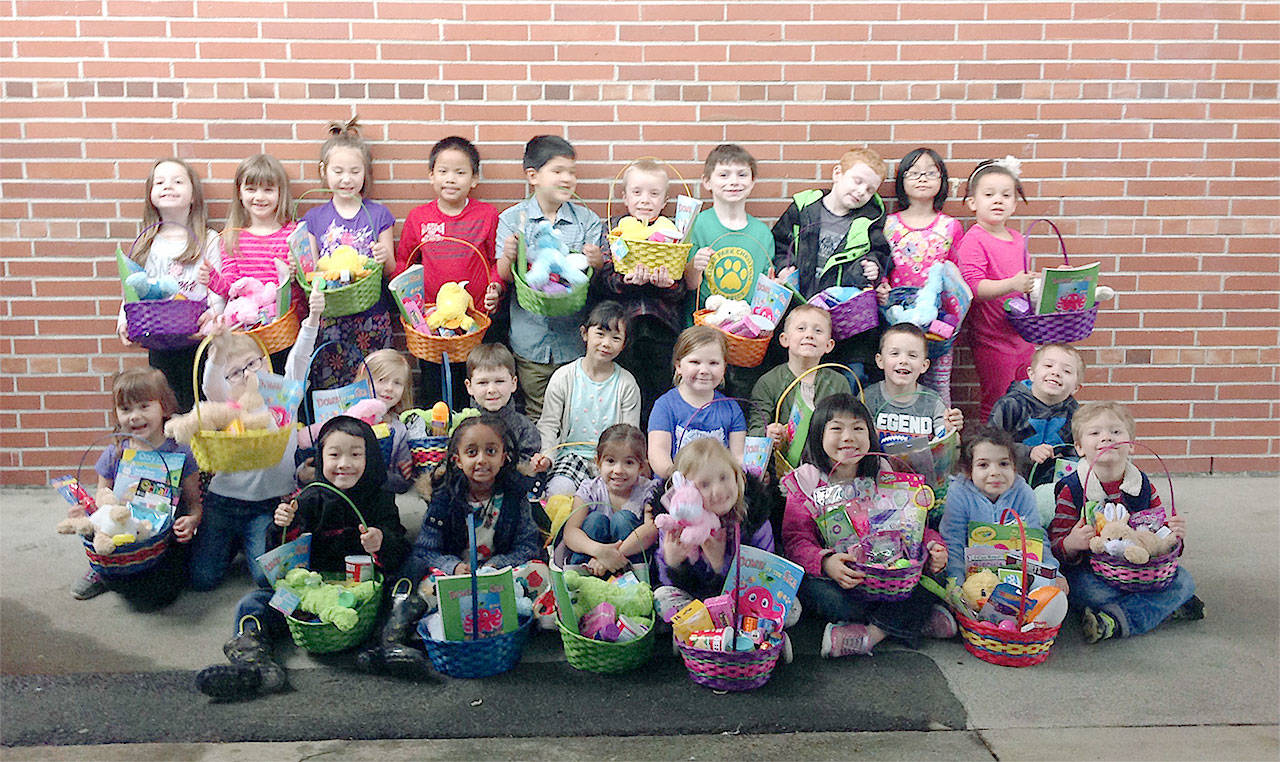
(940, 624)
(1098, 625)
(88, 586)
(1191, 611)
(845, 640)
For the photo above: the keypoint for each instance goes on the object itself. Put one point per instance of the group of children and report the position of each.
(562, 399)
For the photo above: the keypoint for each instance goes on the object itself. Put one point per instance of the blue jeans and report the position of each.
(255, 604)
(1136, 613)
(899, 619)
(605, 529)
(229, 524)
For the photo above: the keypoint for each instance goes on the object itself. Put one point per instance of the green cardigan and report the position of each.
(767, 391)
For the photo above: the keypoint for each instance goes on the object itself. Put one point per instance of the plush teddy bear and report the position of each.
(686, 514)
(249, 411)
(331, 603)
(111, 526)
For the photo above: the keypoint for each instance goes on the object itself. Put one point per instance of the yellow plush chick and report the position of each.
(344, 258)
(631, 229)
(452, 303)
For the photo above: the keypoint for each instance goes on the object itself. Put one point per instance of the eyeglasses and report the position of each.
(253, 366)
(930, 174)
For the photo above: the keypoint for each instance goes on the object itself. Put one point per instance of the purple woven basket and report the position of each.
(729, 670)
(164, 324)
(1055, 327)
(851, 318)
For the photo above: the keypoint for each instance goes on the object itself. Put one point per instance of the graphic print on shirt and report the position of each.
(360, 239)
(685, 436)
(900, 427)
(731, 272)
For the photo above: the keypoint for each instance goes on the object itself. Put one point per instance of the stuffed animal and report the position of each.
(1117, 538)
(148, 289)
(331, 603)
(632, 229)
(111, 526)
(343, 265)
(452, 302)
(371, 411)
(925, 309)
(725, 311)
(252, 303)
(548, 255)
(686, 514)
(588, 592)
(977, 588)
(249, 412)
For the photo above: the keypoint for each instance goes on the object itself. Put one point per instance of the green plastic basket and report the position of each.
(539, 303)
(325, 637)
(352, 298)
(606, 658)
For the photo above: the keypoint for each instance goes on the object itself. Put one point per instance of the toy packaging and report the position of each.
(618, 610)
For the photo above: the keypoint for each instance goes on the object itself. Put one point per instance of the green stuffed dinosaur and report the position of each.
(588, 592)
(330, 602)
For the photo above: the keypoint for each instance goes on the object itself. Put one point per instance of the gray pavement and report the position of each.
(1209, 689)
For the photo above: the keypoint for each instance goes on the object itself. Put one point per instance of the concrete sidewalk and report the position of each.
(1208, 689)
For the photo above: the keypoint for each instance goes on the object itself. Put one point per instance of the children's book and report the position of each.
(755, 455)
(1068, 289)
(300, 248)
(277, 562)
(282, 396)
(327, 403)
(772, 298)
(136, 465)
(768, 586)
(497, 605)
(407, 289)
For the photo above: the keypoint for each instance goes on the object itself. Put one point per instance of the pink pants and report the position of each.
(998, 366)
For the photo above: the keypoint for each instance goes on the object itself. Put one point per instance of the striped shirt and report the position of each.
(255, 257)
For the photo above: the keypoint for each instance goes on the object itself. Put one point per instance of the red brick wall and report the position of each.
(1147, 129)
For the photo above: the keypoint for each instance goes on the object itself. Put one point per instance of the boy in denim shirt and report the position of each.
(541, 343)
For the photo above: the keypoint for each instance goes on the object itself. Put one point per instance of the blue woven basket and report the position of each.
(483, 657)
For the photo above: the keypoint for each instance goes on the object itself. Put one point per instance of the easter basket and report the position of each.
(324, 637)
(159, 324)
(428, 451)
(852, 316)
(132, 558)
(934, 459)
(1008, 648)
(1156, 574)
(652, 254)
(339, 301)
(743, 352)
(281, 333)
(236, 451)
(433, 348)
(477, 656)
(1062, 327)
(589, 654)
(730, 670)
(539, 302)
(781, 465)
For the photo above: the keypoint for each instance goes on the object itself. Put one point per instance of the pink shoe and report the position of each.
(940, 624)
(845, 640)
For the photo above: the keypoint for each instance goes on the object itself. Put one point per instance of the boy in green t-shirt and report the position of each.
(730, 247)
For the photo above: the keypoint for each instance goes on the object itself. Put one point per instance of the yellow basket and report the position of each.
(652, 254)
(218, 451)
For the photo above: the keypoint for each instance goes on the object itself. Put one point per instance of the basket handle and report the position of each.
(306, 398)
(475, 579)
(1026, 241)
(777, 412)
(706, 405)
(1084, 486)
(116, 435)
(750, 263)
(156, 226)
(1022, 555)
(488, 274)
(195, 366)
(284, 531)
(608, 204)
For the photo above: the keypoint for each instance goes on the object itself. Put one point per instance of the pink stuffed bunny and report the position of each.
(685, 513)
(252, 302)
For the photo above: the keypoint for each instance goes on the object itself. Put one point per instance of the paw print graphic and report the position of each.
(731, 272)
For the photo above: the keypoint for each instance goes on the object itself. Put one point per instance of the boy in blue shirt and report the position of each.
(540, 343)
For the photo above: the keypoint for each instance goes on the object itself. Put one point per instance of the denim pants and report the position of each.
(229, 524)
(255, 603)
(899, 619)
(1136, 613)
(605, 529)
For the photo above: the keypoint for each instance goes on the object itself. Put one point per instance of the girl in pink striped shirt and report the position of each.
(258, 227)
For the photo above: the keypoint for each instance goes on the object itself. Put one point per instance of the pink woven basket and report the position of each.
(1153, 576)
(1055, 327)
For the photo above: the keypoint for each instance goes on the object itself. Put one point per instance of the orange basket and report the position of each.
(282, 332)
(434, 348)
(743, 352)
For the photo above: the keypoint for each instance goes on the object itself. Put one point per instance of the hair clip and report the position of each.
(1011, 163)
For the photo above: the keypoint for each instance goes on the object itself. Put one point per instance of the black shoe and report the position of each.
(229, 681)
(391, 654)
(1190, 611)
(251, 650)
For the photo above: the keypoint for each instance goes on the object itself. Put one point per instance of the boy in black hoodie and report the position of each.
(1038, 411)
